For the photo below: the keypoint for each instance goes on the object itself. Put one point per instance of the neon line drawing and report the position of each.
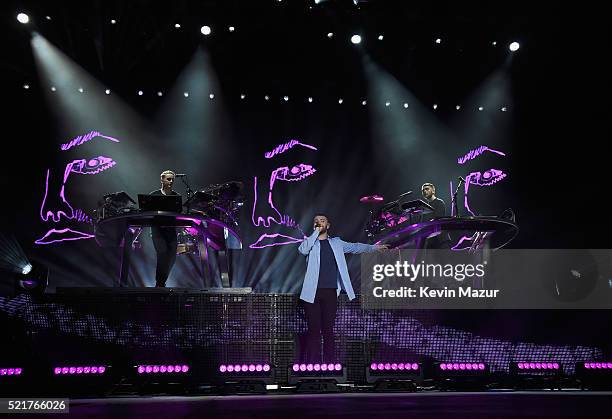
(487, 178)
(66, 234)
(274, 216)
(472, 154)
(281, 148)
(81, 139)
(63, 208)
(271, 240)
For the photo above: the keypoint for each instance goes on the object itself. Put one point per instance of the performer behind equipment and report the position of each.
(164, 238)
(326, 275)
(442, 240)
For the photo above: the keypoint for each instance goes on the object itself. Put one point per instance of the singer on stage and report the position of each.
(326, 275)
(164, 238)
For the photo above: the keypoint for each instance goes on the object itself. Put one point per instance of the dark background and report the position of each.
(554, 133)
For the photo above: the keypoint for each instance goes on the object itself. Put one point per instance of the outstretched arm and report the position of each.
(306, 245)
(357, 248)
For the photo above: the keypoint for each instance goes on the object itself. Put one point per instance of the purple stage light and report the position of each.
(18, 371)
(387, 366)
(381, 366)
(222, 368)
(296, 367)
(338, 367)
(11, 371)
(266, 367)
(373, 366)
(394, 366)
(401, 366)
(94, 370)
(64, 370)
(317, 367)
(155, 368)
(245, 368)
(79, 370)
(302, 367)
(323, 367)
(237, 368)
(141, 369)
(259, 368)
(443, 367)
(309, 367)
(87, 370)
(230, 368)
(163, 369)
(455, 366)
(57, 371)
(251, 368)
(71, 370)
(185, 368)
(101, 370)
(148, 369)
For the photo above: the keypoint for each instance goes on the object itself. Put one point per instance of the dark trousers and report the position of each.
(321, 317)
(164, 240)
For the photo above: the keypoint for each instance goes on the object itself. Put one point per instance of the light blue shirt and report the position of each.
(311, 248)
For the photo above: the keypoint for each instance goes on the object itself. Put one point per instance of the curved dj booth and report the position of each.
(211, 234)
(490, 231)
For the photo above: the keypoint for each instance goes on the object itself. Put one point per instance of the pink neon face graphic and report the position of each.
(92, 166)
(272, 215)
(472, 154)
(281, 148)
(483, 179)
(62, 210)
(487, 178)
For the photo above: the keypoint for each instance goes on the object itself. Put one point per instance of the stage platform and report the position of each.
(474, 405)
(123, 327)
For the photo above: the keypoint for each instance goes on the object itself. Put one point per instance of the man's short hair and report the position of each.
(433, 187)
(320, 214)
(166, 173)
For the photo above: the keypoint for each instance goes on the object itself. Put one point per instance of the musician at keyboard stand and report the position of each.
(164, 238)
(442, 240)
(326, 275)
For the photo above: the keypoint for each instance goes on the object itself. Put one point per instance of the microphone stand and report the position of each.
(190, 192)
(455, 207)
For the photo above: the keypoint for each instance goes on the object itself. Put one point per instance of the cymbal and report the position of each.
(371, 199)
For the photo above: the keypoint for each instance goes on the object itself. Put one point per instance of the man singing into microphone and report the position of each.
(164, 238)
(326, 275)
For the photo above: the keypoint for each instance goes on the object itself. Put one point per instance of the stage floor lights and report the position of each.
(536, 374)
(245, 378)
(594, 375)
(317, 377)
(462, 375)
(394, 376)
